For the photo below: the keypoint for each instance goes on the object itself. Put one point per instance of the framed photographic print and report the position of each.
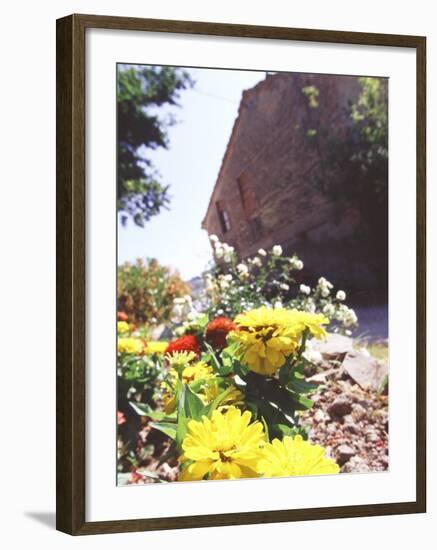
(240, 274)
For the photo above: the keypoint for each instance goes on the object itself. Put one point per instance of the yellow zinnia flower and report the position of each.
(267, 336)
(155, 347)
(197, 371)
(180, 358)
(130, 345)
(295, 457)
(227, 446)
(191, 373)
(213, 389)
(122, 327)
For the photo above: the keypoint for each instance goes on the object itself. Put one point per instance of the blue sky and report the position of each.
(190, 165)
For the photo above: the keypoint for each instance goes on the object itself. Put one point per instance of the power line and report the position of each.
(207, 94)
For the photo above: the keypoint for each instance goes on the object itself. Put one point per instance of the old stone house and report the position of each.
(264, 193)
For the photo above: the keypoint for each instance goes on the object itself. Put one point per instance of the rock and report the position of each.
(340, 407)
(358, 411)
(351, 428)
(344, 453)
(372, 437)
(333, 345)
(319, 415)
(322, 377)
(161, 332)
(331, 429)
(365, 370)
(356, 465)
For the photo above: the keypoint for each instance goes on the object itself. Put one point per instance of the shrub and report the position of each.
(146, 291)
(268, 279)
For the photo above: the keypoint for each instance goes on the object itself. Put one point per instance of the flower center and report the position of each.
(223, 457)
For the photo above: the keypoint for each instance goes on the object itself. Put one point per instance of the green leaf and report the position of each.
(168, 428)
(272, 414)
(285, 374)
(230, 350)
(182, 423)
(202, 321)
(181, 429)
(193, 407)
(302, 402)
(291, 431)
(143, 409)
(216, 363)
(217, 401)
(301, 386)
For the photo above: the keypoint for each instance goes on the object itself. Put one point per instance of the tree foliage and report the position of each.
(352, 165)
(146, 290)
(144, 94)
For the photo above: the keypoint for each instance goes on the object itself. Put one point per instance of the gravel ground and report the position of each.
(351, 423)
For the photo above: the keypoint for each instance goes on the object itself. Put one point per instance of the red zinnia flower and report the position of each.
(185, 343)
(217, 330)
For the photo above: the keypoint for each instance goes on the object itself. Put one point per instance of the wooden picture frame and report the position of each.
(71, 259)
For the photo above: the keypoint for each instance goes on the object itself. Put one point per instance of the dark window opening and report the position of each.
(223, 216)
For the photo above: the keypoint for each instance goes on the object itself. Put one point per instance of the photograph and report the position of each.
(251, 338)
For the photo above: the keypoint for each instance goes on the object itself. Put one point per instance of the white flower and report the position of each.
(296, 263)
(310, 306)
(341, 295)
(213, 238)
(243, 271)
(311, 354)
(277, 305)
(219, 252)
(284, 286)
(329, 310)
(262, 252)
(228, 277)
(277, 250)
(325, 283)
(305, 289)
(223, 284)
(347, 316)
(228, 252)
(350, 319)
(257, 261)
(324, 286)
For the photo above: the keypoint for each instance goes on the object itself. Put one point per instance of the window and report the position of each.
(248, 196)
(223, 217)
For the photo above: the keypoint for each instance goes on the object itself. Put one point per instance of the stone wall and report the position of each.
(265, 186)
